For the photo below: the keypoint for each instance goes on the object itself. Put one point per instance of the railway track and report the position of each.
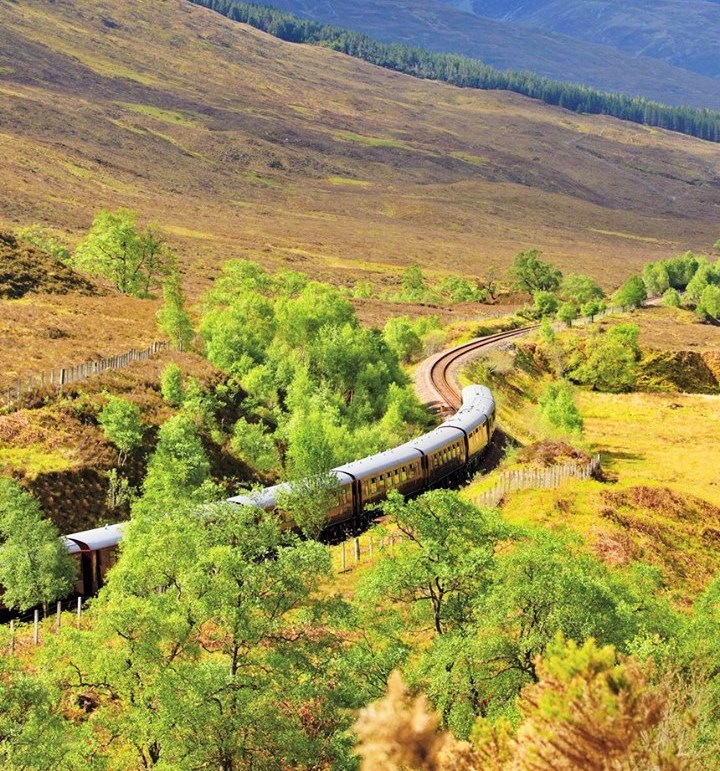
(437, 382)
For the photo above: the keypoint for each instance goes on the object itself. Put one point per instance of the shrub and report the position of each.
(558, 408)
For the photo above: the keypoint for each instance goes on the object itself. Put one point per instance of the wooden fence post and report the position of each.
(12, 635)
(342, 557)
(36, 626)
(79, 611)
(357, 550)
(57, 616)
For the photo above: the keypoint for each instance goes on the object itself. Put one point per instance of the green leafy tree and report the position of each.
(671, 298)
(567, 313)
(631, 294)
(709, 305)
(579, 289)
(134, 260)
(530, 274)
(35, 735)
(545, 304)
(547, 333)
(656, 278)
(122, 424)
(171, 385)
(445, 561)
(35, 567)
(542, 587)
(558, 407)
(591, 308)
(172, 318)
(610, 362)
(414, 286)
(252, 443)
(213, 647)
(237, 336)
(179, 469)
(460, 290)
(400, 335)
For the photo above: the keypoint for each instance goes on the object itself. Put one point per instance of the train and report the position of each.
(449, 452)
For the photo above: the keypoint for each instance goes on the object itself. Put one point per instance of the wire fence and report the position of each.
(31, 627)
(537, 479)
(366, 548)
(62, 376)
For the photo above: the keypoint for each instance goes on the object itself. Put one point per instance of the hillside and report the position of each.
(683, 33)
(200, 123)
(663, 51)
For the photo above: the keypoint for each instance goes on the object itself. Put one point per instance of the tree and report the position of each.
(115, 249)
(544, 586)
(414, 286)
(610, 362)
(446, 561)
(252, 443)
(579, 289)
(632, 294)
(122, 425)
(171, 385)
(558, 407)
(530, 274)
(709, 305)
(546, 304)
(402, 338)
(213, 648)
(35, 735)
(172, 318)
(671, 298)
(567, 312)
(35, 567)
(237, 336)
(179, 469)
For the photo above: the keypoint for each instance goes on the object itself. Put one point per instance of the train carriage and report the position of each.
(452, 448)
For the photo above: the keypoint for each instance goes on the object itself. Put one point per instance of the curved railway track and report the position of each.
(440, 383)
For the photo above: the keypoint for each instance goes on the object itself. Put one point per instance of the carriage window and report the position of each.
(373, 484)
(403, 474)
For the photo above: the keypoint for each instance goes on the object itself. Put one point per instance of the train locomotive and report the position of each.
(446, 453)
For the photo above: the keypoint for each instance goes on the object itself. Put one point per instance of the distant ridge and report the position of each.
(466, 72)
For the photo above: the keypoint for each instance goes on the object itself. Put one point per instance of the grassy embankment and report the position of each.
(659, 502)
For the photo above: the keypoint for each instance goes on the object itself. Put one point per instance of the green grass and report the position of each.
(366, 141)
(348, 182)
(165, 116)
(475, 160)
(33, 461)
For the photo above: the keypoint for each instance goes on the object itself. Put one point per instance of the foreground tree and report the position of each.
(213, 649)
(35, 567)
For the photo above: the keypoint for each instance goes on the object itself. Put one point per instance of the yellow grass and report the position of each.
(657, 439)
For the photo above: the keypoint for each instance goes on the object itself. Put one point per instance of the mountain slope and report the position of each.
(242, 145)
(683, 33)
(510, 34)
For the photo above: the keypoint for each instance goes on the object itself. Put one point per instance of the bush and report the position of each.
(558, 408)
(171, 385)
(121, 422)
(254, 445)
(671, 298)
